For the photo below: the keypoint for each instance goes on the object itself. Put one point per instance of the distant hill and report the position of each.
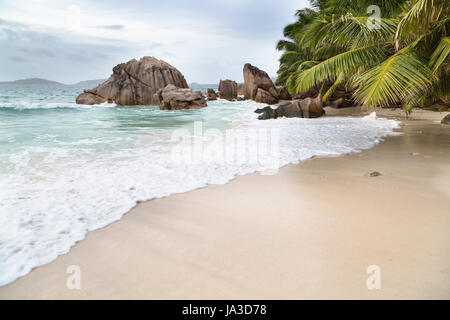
(38, 83)
(88, 84)
(203, 86)
(32, 82)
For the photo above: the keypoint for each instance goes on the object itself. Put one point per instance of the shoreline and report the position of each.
(209, 243)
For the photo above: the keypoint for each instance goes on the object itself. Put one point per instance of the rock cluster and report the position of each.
(341, 99)
(283, 93)
(134, 83)
(174, 98)
(303, 108)
(259, 86)
(211, 94)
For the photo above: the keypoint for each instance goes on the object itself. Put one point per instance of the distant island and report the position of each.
(39, 83)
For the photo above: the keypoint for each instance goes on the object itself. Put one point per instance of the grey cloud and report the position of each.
(17, 59)
(26, 53)
(249, 29)
(112, 27)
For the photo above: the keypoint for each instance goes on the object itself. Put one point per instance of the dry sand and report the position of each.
(309, 231)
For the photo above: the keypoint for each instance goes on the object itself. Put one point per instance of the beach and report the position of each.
(308, 232)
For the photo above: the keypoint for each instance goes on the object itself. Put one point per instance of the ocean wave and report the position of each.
(27, 105)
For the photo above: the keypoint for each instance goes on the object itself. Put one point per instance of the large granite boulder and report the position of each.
(228, 89)
(211, 94)
(241, 89)
(264, 96)
(446, 119)
(134, 83)
(174, 98)
(259, 86)
(304, 108)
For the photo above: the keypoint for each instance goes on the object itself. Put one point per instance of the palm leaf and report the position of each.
(339, 81)
(419, 17)
(345, 62)
(440, 54)
(391, 81)
(355, 31)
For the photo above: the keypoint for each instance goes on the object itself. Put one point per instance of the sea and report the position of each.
(67, 169)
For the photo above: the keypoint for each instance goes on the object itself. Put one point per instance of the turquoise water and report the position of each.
(66, 169)
(28, 118)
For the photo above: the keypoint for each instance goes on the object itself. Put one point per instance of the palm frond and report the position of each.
(345, 62)
(339, 81)
(389, 82)
(354, 31)
(440, 54)
(419, 17)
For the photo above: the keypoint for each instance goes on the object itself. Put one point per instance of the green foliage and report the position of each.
(402, 60)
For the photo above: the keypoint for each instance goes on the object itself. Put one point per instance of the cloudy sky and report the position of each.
(74, 40)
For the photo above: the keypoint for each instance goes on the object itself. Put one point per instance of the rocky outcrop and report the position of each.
(259, 86)
(340, 99)
(446, 119)
(89, 98)
(308, 93)
(228, 89)
(134, 83)
(241, 89)
(264, 96)
(304, 108)
(174, 98)
(340, 103)
(283, 93)
(211, 94)
(439, 107)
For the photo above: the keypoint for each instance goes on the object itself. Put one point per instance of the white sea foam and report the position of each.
(26, 105)
(51, 197)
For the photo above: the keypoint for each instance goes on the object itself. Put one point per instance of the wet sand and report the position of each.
(308, 232)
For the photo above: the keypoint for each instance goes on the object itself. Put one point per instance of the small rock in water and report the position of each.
(374, 174)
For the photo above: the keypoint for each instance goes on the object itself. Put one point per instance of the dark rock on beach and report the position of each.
(341, 99)
(308, 93)
(446, 119)
(304, 108)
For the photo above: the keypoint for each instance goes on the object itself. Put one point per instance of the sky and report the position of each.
(74, 40)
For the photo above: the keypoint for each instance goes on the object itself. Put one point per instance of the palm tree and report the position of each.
(402, 60)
